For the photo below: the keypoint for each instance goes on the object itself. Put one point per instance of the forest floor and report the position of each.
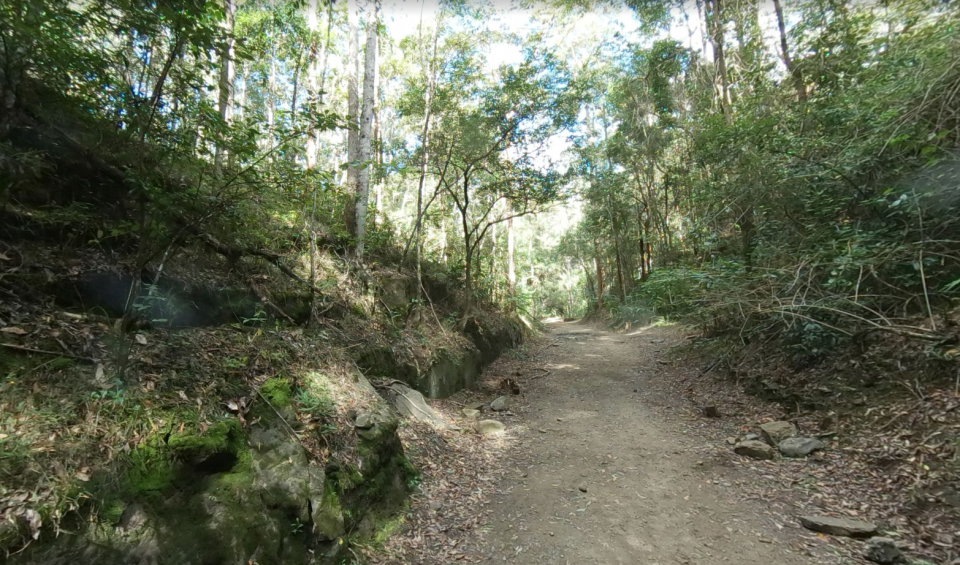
(606, 460)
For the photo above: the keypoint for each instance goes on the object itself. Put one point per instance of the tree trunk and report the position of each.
(353, 109)
(378, 142)
(792, 67)
(511, 266)
(715, 14)
(620, 279)
(227, 72)
(313, 80)
(424, 159)
(599, 263)
(643, 251)
(366, 125)
(464, 207)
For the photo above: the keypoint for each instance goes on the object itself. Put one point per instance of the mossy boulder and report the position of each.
(222, 493)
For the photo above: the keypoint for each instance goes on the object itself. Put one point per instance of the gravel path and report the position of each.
(600, 470)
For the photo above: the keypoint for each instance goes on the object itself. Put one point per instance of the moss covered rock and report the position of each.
(221, 493)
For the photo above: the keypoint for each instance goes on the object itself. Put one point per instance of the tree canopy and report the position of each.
(753, 165)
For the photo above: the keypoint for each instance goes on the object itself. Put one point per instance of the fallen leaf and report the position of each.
(14, 330)
(3, 257)
(232, 406)
(141, 339)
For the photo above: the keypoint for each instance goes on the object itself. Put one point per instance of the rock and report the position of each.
(775, 432)
(838, 526)
(490, 427)
(500, 404)
(800, 446)
(582, 488)
(364, 421)
(711, 411)
(470, 412)
(751, 437)
(755, 449)
(731, 441)
(883, 551)
(411, 404)
(133, 518)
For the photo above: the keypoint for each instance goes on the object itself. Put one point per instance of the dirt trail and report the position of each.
(599, 423)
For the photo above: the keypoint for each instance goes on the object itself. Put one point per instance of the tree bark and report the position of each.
(511, 265)
(424, 159)
(366, 126)
(791, 65)
(715, 22)
(313, 80)
(353, 109)
(599, 263)
(620, 280)
(227, 74)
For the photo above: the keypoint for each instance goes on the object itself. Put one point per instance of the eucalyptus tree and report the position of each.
(489, 146)
(366, 125)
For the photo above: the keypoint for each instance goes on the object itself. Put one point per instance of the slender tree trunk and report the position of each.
(716, 23)
(227, 72)
(353, 109)
(157, 95)
(640, 235)
(378, 142)
(599, 263)
(424, 159)
(326, 54)
(511, 266)
(313, 80)
(271, 102)
(468, 250)
(366, 125)
(313, 258)
(792, 68)
(493, 262)
(620, 279)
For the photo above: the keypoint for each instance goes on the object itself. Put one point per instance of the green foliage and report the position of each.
(819, 210)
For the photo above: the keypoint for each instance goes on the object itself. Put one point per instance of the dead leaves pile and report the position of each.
(458, 474)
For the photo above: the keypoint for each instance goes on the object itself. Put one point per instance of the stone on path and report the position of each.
(490, 427)
(883, 551)
(775, 432)
(413, 405)
(755, 449)
(500, 404)
(470, 412)
(838, 526)
(800, 446)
